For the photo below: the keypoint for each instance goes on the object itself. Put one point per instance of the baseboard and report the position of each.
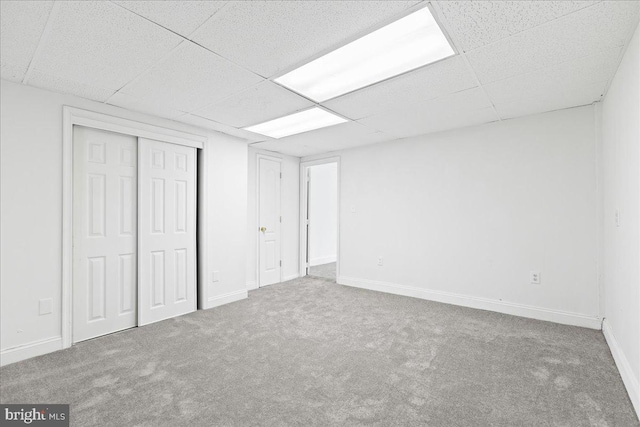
(629, 380)
(322, 260)
(27, 351)
(226, 298)
(252, 285)
(290, 277)
(515, 309)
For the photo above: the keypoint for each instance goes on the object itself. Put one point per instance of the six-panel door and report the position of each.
(269, 199)
(105, 233)
(167, 230)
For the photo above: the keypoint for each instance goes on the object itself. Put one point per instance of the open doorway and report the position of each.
(319, 242)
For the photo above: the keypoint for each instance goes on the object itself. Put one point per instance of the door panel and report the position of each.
(269, 208)
(104, 233)
(167, 230)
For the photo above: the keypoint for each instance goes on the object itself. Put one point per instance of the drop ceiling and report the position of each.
(212, 63)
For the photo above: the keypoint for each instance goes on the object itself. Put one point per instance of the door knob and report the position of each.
(263, 229)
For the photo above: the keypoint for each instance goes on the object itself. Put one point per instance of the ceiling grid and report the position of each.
(212, 63)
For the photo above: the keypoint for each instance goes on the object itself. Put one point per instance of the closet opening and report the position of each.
(134, 231)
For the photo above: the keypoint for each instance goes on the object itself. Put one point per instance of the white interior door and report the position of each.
(104, 233)
(167, 230)
(269, 218)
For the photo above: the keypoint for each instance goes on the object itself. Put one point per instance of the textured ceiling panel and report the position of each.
(219, 127)
(344, 135)
(98, 43)
(568, 77)
(135, 104)
(268, 37)
(530, 57)
(57, 84)
(286, 147)
(190, 78)
(21, 25)
(442, 78)
(551, 101)
(466, 108)
(604, 26)
(477, 23)
(182, 17)
(257, 104)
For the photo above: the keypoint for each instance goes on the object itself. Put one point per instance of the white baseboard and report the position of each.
(322, 260)
(629, 380)
(515, 309)
(27, 351)
(290, 277)
(252, 285)
(226, 298)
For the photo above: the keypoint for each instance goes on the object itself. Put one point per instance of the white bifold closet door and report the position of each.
(104, 233)
(167, 230)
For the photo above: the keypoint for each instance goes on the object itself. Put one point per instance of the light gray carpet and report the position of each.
(310, 352)
(327, 271)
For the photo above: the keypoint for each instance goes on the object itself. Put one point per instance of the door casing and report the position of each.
(76, 116)
(304, 168)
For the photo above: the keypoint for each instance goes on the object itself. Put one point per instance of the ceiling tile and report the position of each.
(552, 101)
(477, 23)
(289, 148)
(567, 77)
(183, 17)
(269, 37)
(442, 78)
(604, 26)
(257, 104)
(338, 137)
(61, 85)
(219, 127)
(98, 43)
(190, 78)
(122, 100)
(21, 25)
(470, 107)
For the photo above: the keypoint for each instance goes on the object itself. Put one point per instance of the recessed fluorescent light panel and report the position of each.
(313, 118)
(401, 46)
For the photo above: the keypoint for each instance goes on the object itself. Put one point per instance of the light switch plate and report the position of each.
(215, 276)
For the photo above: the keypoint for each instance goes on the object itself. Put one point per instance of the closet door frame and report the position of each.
(72, 116)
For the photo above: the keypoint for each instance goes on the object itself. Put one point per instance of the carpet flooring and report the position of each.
(327, 271)
(309, 352)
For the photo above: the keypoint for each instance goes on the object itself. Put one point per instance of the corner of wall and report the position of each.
(597, 117)
(629, 380)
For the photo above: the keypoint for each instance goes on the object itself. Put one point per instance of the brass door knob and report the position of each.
(263, 229)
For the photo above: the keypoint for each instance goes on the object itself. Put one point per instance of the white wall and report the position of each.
(323, 213)
(290, 205)
(621, 179)
(464, 216)
(31, 213)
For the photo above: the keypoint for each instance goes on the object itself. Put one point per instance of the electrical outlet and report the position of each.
(380, 261)
(534, 277)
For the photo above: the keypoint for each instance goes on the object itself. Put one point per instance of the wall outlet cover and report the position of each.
(534, 277)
